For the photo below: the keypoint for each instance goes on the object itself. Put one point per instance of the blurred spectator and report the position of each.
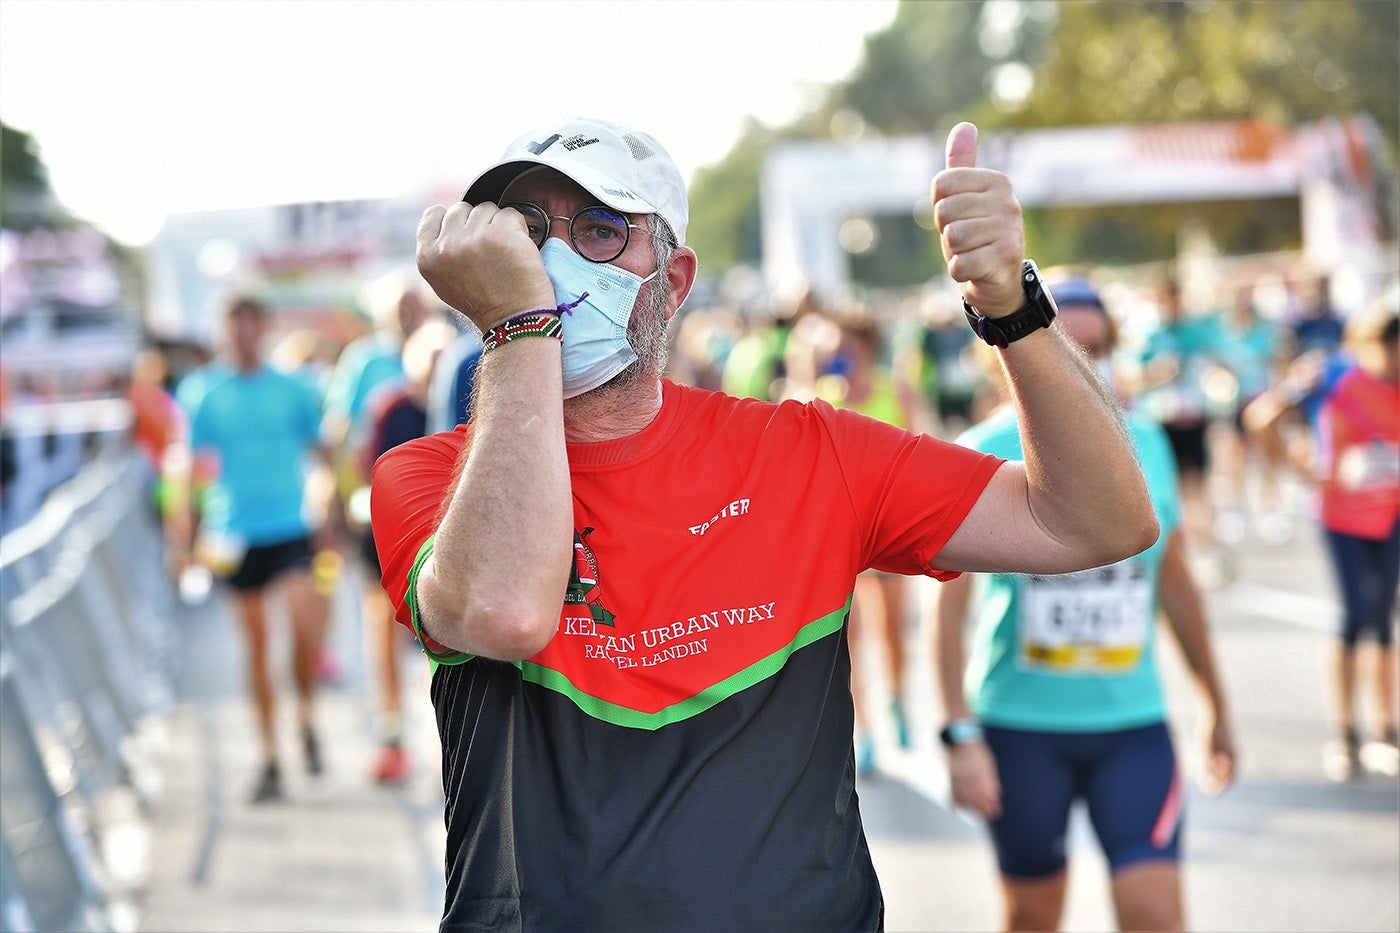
(1171, 390)
(1250, 350)
(1059, 698)
(755, 365)
(397, 412)
(934, 349)
(856, 378)
(450, 394)
(705, 337)
(398, 302)
(307, 354)
(1317, 325)
(23, 474)
(158, 426)
(1358, 469)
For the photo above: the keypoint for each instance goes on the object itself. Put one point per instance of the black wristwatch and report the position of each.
(960, 732)
(1038, 311)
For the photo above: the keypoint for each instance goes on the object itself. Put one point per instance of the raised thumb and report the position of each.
(962, 146)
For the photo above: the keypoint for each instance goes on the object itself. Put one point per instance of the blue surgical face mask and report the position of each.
(595, 330)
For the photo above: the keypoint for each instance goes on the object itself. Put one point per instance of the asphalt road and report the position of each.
(1284, 849)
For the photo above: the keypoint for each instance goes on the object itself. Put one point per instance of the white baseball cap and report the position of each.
(626, 169)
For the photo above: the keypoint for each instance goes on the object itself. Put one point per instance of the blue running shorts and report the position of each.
(1127, 778)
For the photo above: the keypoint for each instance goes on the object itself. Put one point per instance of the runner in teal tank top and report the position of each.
(1060, 699)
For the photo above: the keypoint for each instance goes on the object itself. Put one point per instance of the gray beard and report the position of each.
(646, 332)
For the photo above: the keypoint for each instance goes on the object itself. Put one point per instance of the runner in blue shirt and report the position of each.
(1060, 697)
(254, 434)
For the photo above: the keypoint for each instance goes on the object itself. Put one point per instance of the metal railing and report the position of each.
(89, 643)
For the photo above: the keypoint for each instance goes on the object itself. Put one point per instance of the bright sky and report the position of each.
(145, 108)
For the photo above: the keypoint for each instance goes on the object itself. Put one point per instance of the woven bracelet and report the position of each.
(544, 323)
(541, 323)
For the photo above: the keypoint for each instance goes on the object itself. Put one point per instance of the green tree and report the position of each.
(1093, 62)
(724, 224)
(19, 159)
(924, 72)
(26, 200)
(1288, 61)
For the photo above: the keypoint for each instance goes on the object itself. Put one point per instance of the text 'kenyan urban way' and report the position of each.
(654, 646)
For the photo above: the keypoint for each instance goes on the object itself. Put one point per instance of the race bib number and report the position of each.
(1090, 622)
(1368, 466)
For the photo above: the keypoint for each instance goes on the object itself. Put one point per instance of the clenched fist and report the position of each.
(481, 261)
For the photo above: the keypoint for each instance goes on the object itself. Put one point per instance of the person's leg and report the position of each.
(308, 608)
(310, 611)
(1034, 904)
(1386, 672)
(1147, 896)
(1193, 464)
(252, 617)
(1038, 786)
(1227, 482)
(381, 629)
(1135, 804)
(1349, 558)
(1387, 566)
(890, 590)
(1344, 680)
(382, 634)
(855, 636)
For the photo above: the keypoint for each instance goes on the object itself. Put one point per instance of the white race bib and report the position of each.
(1090, 622)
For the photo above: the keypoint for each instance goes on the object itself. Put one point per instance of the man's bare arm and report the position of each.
(500, 564)
(1079, 499)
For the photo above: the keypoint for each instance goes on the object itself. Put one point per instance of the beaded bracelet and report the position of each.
(542, 323)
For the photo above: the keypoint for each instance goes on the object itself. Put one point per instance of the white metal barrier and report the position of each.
(89, 645)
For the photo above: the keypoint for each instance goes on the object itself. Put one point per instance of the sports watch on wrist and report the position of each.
(960, 732)
(1037, 312)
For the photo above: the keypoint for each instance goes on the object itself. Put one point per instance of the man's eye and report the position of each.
(600, 233)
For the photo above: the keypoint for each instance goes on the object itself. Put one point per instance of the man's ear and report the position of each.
(680, 275)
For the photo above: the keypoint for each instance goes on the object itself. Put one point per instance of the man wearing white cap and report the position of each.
(635, 592)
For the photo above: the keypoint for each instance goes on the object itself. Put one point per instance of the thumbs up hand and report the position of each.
(979, 227)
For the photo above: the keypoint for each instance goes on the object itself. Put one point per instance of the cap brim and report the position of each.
(492, 183)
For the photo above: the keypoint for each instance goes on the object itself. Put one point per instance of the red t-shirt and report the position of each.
(1359, 432)
(720, 516)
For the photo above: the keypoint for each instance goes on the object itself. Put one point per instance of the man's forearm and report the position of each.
(500, 564)
(1085, 487)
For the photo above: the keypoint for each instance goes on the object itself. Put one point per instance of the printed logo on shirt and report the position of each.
(584, 595)
(736, 508)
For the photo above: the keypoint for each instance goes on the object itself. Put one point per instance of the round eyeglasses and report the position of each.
(599, 234)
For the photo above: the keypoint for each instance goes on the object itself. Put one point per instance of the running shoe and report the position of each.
(901, 724)
(269, 786)
(865, 756)
(1341, 761)
(311, 747)
(392, 766)
(1382, 756)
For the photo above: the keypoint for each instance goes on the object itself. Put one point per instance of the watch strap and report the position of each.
(961, 732)
(1037, 312)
